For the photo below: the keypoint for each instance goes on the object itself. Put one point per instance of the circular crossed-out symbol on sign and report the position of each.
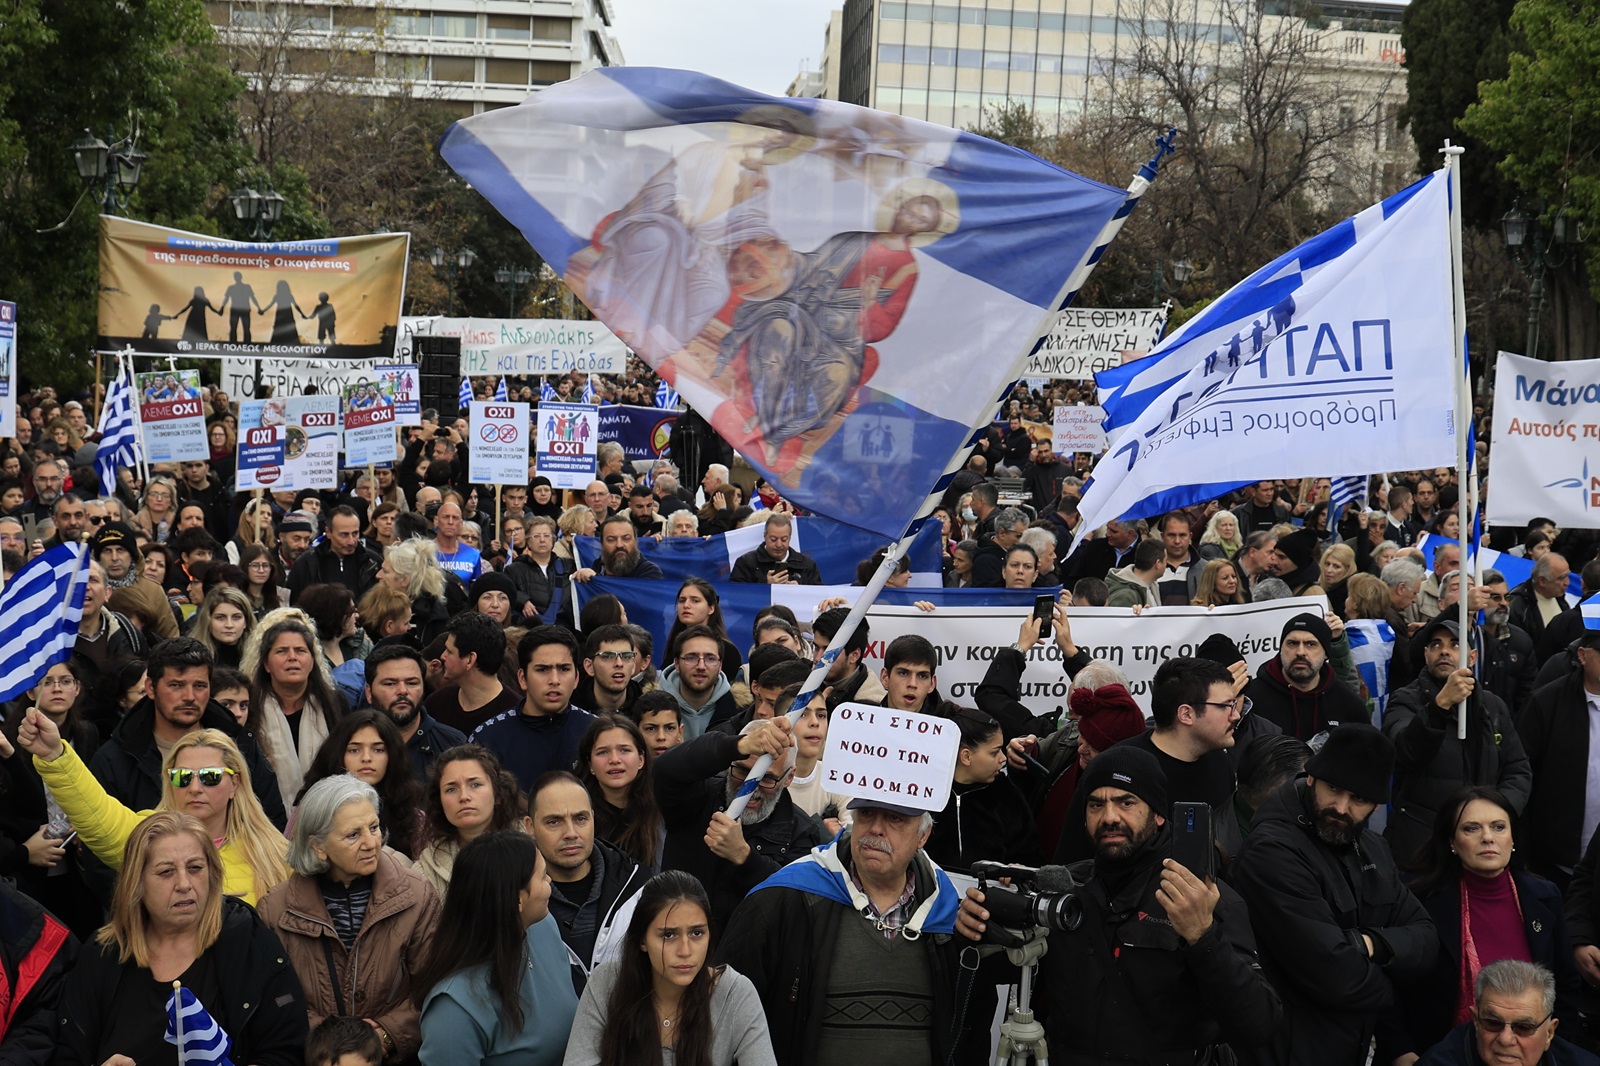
(505, 432)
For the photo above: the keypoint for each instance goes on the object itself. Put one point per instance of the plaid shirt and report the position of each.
(891, 922)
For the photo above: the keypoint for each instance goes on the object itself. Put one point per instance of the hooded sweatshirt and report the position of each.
(1127, 590)
(695, 722)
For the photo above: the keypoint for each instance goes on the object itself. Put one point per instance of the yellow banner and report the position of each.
(171, 292)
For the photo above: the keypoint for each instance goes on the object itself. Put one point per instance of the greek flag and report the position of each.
(546, 393)
(119, 436)
(199, 1039)
(464, 398)
(1371, 648)
(1591, 612)
(1342, 347)
(842, 293)
(666, 396)
(1346, 490)
(500, 391)
(588, 390)
(43, 603)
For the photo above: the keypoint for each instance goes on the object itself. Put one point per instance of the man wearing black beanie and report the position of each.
(1337, 925)
(1163, 964)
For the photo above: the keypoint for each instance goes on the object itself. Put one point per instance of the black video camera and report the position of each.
(1039, 897)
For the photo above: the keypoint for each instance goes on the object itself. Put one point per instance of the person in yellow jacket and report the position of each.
(205, 777)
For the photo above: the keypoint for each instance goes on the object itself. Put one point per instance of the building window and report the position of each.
(455, 68)
(508, 27)
(893, 11)
(919, 12)
(916, 55)
(505, 71)
(455, 25)
(406, 68)
(409, 24)
(891, 53)
(549, 29)
(548, 72)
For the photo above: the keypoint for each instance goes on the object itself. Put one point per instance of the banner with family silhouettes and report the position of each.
(169, 292)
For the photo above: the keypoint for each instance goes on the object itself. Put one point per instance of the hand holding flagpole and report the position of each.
(1452, 164)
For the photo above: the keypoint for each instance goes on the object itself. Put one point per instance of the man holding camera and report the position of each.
(1162, 965)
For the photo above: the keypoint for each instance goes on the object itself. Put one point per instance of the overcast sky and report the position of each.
(760, 44)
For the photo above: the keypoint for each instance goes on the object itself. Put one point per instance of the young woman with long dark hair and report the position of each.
(367, 745)
(699, 604)
(496, 986)
(614, 766)
(662, 1004)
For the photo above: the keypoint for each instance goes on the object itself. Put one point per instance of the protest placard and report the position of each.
(1077, 429)
(1546, 439)
(8, 369)
(899, 757)
(499, 451)
(369, 411)
(1087, 340)
(569, 440)
(171, 416)
(523, 347)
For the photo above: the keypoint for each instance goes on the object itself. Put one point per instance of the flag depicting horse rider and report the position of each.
(788, 265)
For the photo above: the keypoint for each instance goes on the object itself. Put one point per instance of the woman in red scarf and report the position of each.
(1485, 907)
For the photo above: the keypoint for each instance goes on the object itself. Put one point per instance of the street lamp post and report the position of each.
(1182, 271)
(452, 263)
(512, 280)
(261, 211)
(1534, 247)
(115, 167)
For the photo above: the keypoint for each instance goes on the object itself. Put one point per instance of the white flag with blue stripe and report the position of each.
(546, 392)
(42, 605)
(1347, 352)
(1591, 612)
(1371, 649)
(1345, 491)
(200, 1040)
(464, 397)
(500, 392)
(119, 434)
(588, 390)
(841, 293)
(666, 396)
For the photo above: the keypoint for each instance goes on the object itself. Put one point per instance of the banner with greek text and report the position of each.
(171, 292)
(967, 626)
(311, 441)
(1088, 340)
(568, 443)
(369, 424)
(1546, 443)
(643, 432)
(523, 346)
(499, 452)
(1077, 429)
(8, 369)
(172, 421)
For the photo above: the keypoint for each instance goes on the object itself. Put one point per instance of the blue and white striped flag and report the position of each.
(666, 396)
(1371, 649)
(1345, 491)
(1591, 612)
(1342, 347)
(119, 435)
(546, 392)
(843, 294)
(42, 605)
(500, 391)
(200, 1040)
(464, 398)
(588, 389)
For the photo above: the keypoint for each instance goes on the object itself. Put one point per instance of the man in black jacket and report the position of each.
(177, 702)
(1296, 690)
(1540, 600)
(1163, 964)
(338, 558)
(1562, 812)
(695, 781)
(36, 954)
(774, 562)
(1336, 925)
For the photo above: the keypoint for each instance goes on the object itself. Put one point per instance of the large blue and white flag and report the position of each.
(42, 605)
(1372, 649)
(119, 435)
(836, 548)
(666, 395)
(1344, 348)
(843, 293)
(199, 1039)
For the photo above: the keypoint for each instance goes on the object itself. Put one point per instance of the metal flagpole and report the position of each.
(891, 558)
(177, 1018)
(1452, 165)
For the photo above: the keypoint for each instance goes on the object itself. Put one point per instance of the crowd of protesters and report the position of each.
(354, 770)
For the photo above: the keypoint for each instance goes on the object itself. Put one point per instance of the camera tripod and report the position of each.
(1021, 1035)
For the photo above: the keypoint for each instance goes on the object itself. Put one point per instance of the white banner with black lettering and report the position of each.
(522, 346)
(1088, 340)
(1546, 443)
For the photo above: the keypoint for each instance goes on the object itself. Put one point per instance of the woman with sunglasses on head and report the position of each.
(255, 527)
(497, 985)
(663, 1003)
(171, 924)
(204, 775)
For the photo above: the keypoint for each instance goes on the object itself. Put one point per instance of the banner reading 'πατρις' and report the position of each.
(171, 292)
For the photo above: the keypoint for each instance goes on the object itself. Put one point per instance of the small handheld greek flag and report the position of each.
(198, 1037)
(546, 393)
(1591, 612)
(1345, 491)
(119, 439)
(465, 397)
(500, 392)
(43, 603)
(666, 396)
(588, 390)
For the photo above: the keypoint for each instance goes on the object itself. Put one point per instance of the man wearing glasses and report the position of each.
(696, 781)
(609, 658)
(695, 678)
(1197, 706)
(177, 701)
(1513, 1023)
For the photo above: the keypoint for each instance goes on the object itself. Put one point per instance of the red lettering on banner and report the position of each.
(565, 447)
(318, 419)
(162, 412)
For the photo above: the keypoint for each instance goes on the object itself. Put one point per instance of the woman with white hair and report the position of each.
(296, 702)
(353, 921)
(412, 567)
(1221, 540)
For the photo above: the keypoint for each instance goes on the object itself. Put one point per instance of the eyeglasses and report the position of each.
(768, 783)
(623, 656)
(1243, 704)
(1494, 1026)
(210, 776)
(59, 682)
(698, 660)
